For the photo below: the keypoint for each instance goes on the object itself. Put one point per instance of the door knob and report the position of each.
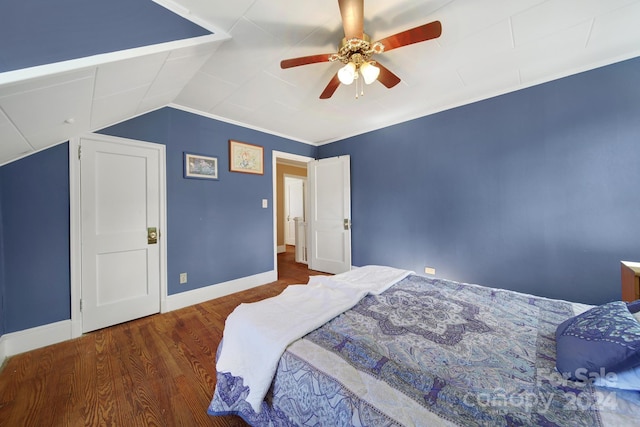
(152, 235)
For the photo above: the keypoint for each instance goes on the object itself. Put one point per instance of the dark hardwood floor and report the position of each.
(154, 371)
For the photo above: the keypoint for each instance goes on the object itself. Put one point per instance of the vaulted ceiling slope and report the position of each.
(225, 62)
(73, 66)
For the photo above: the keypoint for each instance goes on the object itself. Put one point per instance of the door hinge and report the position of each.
(79, 151)
(80, 305)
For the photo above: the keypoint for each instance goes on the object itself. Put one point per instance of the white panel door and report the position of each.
(293, 206)
(120, 200)
(330, 214)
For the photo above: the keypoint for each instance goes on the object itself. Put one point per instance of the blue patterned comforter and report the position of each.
(430, 352)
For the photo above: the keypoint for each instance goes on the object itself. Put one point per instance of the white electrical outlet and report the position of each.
(183, 278)
(430, 270)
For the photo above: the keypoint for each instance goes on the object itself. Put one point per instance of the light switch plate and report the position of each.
(265, 203)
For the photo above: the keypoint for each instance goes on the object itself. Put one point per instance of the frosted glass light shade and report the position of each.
(369, 72)
(347, 74)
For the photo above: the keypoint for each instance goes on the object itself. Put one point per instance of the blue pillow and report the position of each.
(634, 306)
(604, 337)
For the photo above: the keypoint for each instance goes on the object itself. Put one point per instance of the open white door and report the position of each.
(120, 220)
(293, 206)
(330, 214)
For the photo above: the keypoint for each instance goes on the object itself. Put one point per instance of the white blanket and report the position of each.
(256, 334)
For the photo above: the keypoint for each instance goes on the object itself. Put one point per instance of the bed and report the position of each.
(416, 351)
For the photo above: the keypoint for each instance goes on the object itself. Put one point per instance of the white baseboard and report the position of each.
(282, 248)
(41, 336)
(196, 296)
(29, 339)
(3, 351)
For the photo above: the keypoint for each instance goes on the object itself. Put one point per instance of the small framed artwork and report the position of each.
(199, 166)
(246, 158)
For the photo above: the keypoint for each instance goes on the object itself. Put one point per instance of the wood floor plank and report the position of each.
(87, 399)
(107, 398)
(154, 371)
(65, 384)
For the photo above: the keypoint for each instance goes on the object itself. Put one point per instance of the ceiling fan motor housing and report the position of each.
(356, 50)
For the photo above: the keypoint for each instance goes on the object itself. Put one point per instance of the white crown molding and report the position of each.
(237, 123)
(569, 72)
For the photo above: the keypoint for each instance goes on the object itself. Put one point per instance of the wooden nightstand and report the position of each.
(630, 275)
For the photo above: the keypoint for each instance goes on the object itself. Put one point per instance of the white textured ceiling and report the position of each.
(487, 48)
(45, 105)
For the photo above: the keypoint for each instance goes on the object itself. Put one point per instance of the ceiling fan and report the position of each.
(357, 49)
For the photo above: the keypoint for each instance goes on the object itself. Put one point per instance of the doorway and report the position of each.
(293, 166)
(328, 236)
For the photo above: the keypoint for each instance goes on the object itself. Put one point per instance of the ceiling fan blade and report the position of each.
(331, 88)
(304, 60)
(386, 77)
(419, 34)
(352, 12)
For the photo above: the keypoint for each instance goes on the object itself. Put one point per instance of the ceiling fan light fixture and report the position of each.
(347, 73)
(369, 72)
(356, 50)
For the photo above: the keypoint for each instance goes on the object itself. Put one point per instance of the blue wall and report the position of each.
(34, 196)
(37, 32)
(535, 191)
(217, 230)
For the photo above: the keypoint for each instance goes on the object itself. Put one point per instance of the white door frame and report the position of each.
(75, 230)
(275, 155)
